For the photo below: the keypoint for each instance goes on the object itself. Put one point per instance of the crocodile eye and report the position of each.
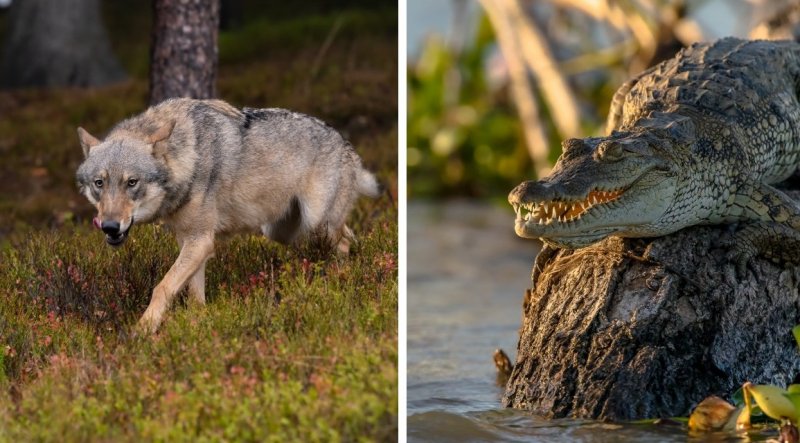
(610, 151)
(98, 183)
(132, 182)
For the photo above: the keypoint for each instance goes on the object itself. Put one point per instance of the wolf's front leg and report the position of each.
(195, 251)
(197, 282)
(197, 285)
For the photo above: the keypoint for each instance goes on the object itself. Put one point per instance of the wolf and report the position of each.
(204, 167)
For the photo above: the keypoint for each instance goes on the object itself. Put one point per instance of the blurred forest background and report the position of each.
(334, 60)
(495, 86)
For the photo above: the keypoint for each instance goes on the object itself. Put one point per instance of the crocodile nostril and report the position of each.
(110, 227)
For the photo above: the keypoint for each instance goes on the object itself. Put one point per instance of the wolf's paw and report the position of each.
(343, 247)
(148, 324)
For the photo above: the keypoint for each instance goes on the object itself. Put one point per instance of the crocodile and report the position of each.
(697, 139)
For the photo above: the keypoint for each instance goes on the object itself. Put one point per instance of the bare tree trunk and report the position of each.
(526, 49)
(184, 49)
(535, 50)
(522, 92)
(630, 329)
(57, 43)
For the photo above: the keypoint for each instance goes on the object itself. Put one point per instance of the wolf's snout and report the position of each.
(110, 227)
(114, 235)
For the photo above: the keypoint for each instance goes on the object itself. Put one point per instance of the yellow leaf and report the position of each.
(773, 401)
(743, 420)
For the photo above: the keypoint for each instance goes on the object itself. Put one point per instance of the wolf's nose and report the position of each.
(110, 227)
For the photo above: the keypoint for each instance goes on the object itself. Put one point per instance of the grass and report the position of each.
(294, 343)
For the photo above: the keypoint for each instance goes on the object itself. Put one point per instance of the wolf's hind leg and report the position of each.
(194, 253)
(341, 239)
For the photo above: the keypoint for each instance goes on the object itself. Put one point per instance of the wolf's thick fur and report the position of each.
(205, 167)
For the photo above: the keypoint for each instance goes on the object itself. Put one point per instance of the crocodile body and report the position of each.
(698, 139)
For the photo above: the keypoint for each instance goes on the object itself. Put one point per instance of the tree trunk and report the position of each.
(56, 43)
(184, 49)
(646, 328)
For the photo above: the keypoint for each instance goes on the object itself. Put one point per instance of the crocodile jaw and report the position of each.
(574, 223)
(538, 219)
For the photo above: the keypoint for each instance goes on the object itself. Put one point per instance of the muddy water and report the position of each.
(466, 275)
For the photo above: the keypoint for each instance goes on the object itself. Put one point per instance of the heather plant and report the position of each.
(293, 342)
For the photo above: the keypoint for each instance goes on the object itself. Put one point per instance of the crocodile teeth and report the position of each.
(548, 212)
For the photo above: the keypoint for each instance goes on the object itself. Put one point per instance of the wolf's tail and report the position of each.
(367, 184)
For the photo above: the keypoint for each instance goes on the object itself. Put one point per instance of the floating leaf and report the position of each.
(774, 401)
(743, 420)
(711, 414)
(738, 400)
(739, 420)
(793, 393)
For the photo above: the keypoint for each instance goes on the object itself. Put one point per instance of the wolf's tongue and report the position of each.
(96, 222)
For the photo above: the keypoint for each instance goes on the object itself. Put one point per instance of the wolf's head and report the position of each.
(123, 177)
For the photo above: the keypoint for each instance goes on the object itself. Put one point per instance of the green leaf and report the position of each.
(794, 397)
(773, 400)
(796, 332)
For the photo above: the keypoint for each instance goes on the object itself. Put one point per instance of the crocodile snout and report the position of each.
(535, 191)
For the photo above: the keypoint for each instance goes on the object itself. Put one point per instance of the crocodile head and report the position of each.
(621, 185)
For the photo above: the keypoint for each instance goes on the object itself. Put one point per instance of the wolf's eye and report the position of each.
(132, 182)
(98, 183)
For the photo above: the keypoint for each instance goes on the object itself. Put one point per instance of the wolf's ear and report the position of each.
(161, 134)
(87, 141)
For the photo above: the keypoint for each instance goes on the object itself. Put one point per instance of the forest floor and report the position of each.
(294, 343)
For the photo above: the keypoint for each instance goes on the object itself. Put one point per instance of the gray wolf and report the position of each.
(204, 167)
